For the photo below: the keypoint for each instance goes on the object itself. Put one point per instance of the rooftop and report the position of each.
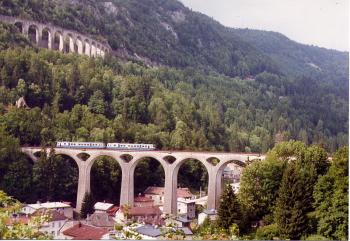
(49, 205)
(21, 219)
(143, 199)
(181, 192)
(52, 214)
(103, 206)
(100, 220)
(149, 231)
(143, 211)
(85, 232)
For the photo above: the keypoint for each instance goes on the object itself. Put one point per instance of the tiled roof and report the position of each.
(149, 231)
(52, 214)
(85, 232)
(181, 192)
(101, 220)
(144, 211)
(21, 219)
(113, 210)
(143, 199)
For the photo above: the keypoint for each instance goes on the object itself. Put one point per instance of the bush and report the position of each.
(267, 232)
(316, 237)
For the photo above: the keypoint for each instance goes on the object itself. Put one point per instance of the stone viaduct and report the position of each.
(171, 162)
(56, 38)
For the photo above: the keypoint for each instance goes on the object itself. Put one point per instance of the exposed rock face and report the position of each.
(169, 28)
(111, 8)
(177, 16)
(21, 103)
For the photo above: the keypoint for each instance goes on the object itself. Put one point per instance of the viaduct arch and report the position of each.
(56, 38)
(171, 169)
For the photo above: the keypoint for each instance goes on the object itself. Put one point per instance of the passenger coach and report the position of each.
(85, 145)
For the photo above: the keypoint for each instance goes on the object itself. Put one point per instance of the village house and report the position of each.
(186, 208)
(186, 205)
(149, 215)
(157, 194)
(101, 220)
(85, 232)
(64, 208)
(102, 207)
(210, 214)
(141, 201)
(56, 220)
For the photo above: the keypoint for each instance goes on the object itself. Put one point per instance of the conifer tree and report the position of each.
(87, 205)
(294, 201)
(229, 211)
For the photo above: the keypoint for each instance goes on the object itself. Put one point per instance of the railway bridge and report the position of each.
(171, 161)
(56, 38)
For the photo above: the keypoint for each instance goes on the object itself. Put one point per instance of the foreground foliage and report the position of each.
(18, 230)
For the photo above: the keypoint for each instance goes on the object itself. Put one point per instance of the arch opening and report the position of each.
(19, 26)
(149, 180)
(17, 181)
(56, 178)
(33, 34)
(69, 45)
(58, 41)
(106, 177)
(46, 39)
(192, 183)
(229, 174)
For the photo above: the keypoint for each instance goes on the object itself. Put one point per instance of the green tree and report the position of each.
(97, 103)
(294, 201)
(331, 198)
(259, 186)
(229, 211)
(87, 206)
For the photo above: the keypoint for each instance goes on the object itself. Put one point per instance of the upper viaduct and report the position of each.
(171, 162)
(56, 38)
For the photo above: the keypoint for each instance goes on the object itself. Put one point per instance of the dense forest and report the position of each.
(210, 88)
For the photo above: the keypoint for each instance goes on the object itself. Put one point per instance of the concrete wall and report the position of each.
(58, 38)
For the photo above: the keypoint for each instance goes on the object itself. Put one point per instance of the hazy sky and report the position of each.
(324, 23)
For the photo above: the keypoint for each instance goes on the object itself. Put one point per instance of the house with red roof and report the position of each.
(55, 222)
(185, 200)
(157, 194)
(142, 201)
(86, 232)
(148, 215)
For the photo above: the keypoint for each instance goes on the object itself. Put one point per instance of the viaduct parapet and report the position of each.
(56, 38)
(170, 161)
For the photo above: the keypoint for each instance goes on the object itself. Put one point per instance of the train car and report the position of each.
(127, 146)
(84, 145)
